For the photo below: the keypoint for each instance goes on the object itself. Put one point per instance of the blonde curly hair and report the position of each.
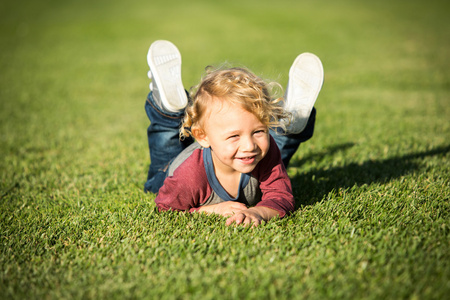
(238, 86)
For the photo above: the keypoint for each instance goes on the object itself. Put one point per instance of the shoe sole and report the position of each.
(305, 82)
(164, 60)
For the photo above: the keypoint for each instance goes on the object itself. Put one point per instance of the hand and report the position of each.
(252, 216)
(227, 208)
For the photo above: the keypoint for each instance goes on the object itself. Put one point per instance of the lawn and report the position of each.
(372, 186)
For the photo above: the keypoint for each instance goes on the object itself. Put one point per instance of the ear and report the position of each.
(201, 137)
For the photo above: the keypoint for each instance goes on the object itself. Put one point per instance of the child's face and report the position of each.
(238, 140)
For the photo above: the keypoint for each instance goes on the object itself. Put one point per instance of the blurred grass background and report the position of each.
(372, 185)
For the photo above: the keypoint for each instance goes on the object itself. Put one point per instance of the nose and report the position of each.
(248, 144)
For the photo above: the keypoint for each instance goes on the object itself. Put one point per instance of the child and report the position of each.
(227, 160)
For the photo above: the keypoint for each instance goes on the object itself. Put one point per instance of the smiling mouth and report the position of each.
(247, 159)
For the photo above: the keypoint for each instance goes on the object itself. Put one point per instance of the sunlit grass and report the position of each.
(372, 186)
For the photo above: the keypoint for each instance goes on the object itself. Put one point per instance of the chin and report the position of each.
(246, 169)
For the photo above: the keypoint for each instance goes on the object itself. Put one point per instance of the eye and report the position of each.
(231, 137)
(260, 132)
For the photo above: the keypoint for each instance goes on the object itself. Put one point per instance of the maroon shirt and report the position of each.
(189, 188)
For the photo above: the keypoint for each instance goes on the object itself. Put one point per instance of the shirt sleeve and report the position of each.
(187, 188)
(275, 184)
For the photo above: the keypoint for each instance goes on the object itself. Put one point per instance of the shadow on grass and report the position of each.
(313, 186)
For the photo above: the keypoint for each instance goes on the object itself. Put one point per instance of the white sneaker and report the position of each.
(305, 82)
(164, 61)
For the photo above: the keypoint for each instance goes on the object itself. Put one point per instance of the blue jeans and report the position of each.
(164, 143)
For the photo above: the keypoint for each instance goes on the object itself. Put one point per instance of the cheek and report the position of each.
(229, 149)
(264, 144)
(224, 149)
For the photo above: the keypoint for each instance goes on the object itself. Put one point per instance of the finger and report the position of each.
(237, 218)
(247, 221)
(251, 220)
(240, 217)
(256, 223)
(230, 220)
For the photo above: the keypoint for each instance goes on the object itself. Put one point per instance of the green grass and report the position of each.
(372, 186)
